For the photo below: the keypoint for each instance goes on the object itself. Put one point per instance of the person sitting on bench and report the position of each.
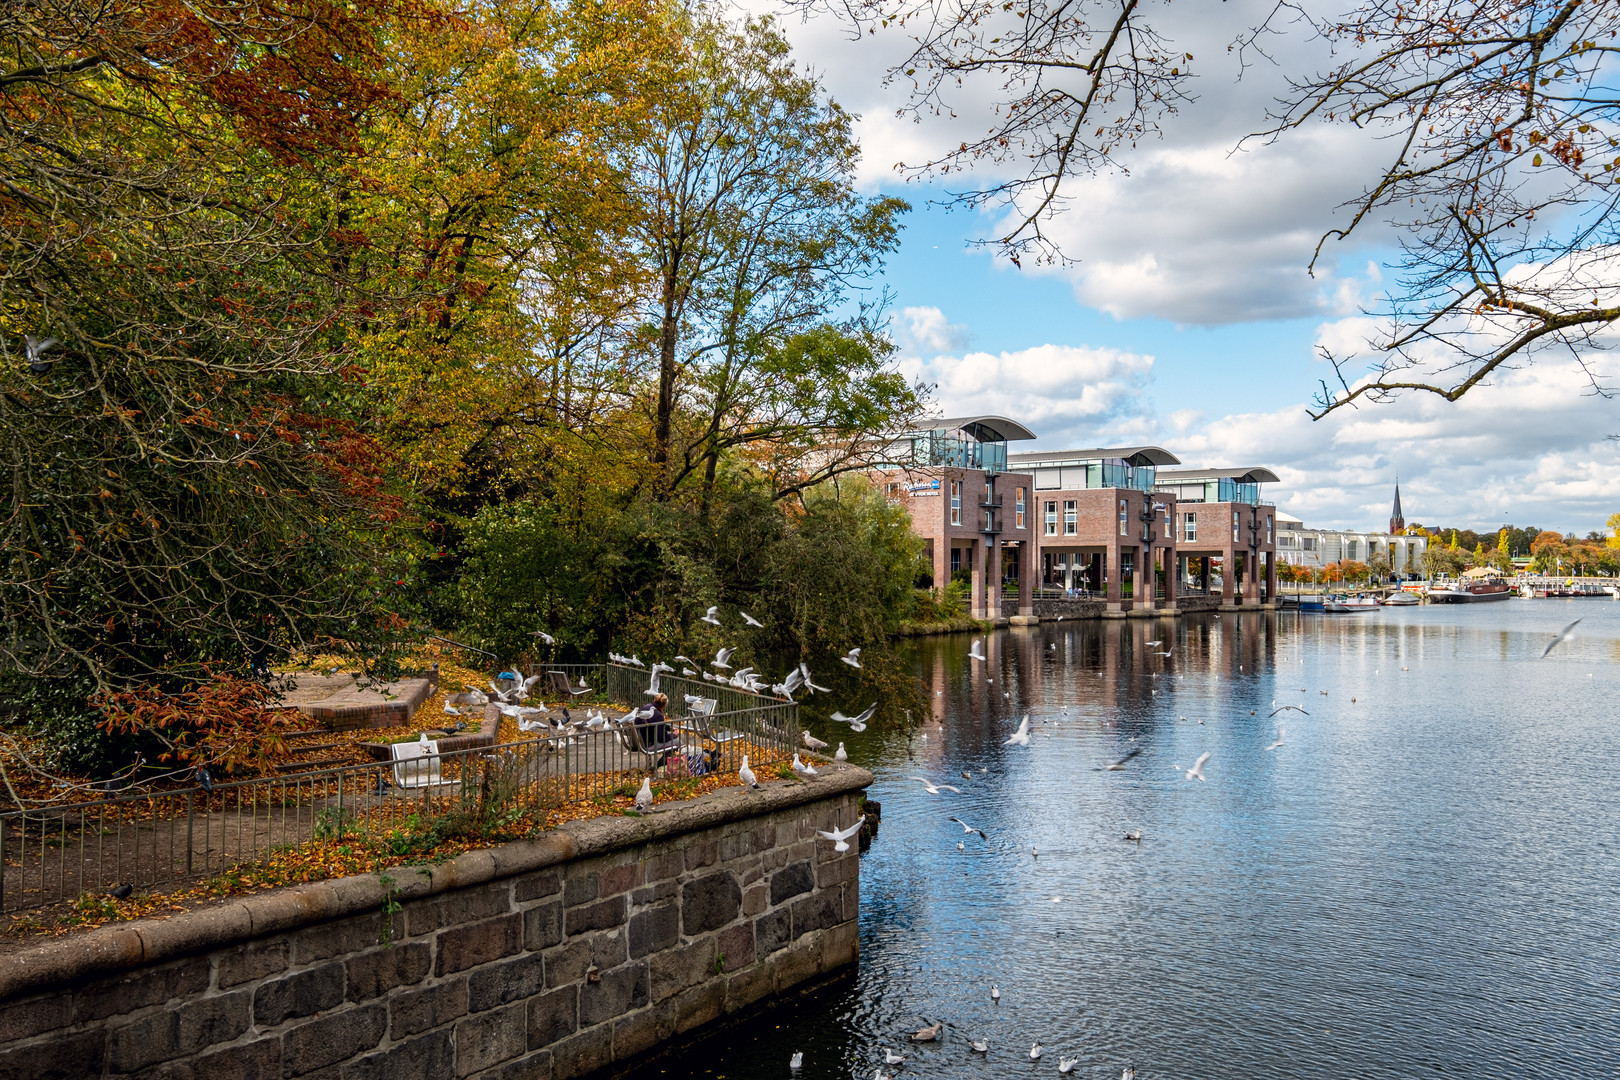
(654, 731)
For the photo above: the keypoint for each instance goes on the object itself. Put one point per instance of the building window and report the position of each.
(1018, 508)
(1169, 527)
(1068, 517)
(1124, 526)
(1189, 530)
(1268, 528)
(1235, 536)
(1051, 519)
(1351, 548)
(956, 559)
(956, 502)
(1308, 543)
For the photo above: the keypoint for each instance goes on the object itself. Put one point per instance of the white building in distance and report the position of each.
(1315, 548)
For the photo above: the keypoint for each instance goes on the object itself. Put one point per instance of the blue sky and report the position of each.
(1188, 319)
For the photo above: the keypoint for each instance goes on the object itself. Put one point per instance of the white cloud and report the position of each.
(925, 330)
(1065, 392)
(1528, 450)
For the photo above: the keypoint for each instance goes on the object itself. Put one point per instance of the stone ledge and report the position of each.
(56, 964)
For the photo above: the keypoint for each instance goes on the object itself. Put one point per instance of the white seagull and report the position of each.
(892, 1058)
(1066, 1065)
(710, 616)
(976, 650)
(797, 1059)
(808, 685)
(932, 788)
(545, 637)
(1197, 771)
(749, 620)
(857, 722)
(852, 658)
(644, 796)
(970, 829)
(995, 993)
(840, 839)
(1563, 635)
(722, 659)
(814, 743)
(1021, 736)
(1035, 1052)
(1279, 741)
(746, 775)
(801, 768)
(839, 754)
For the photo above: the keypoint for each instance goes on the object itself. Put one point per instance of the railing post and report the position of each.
(191, 825)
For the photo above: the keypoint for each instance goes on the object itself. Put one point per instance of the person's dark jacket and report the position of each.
(654, 729)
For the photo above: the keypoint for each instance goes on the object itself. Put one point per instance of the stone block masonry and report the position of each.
(542, 960)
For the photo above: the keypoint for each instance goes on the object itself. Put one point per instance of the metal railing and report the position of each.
(151, 839)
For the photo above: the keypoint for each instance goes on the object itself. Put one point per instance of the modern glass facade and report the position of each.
(950, 449)
(1107, 473)
(1223, 489)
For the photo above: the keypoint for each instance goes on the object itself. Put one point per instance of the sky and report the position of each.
(1188, 319)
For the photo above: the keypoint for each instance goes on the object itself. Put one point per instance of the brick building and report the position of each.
(1102, 526)
(1110, 522)
(1219, 515)
(971, 512)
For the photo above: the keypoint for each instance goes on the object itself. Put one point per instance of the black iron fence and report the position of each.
(150, 840)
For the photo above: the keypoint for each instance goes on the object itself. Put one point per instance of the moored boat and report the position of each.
(1469, 592)
(1402, 599)
(1345, 605)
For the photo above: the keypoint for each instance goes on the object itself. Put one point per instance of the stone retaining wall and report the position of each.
(546, 959)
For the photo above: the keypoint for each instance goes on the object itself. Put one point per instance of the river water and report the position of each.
(1422, 880)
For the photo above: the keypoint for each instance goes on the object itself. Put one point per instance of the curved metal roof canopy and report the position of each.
(1131, 455)
(1255, 474)
(982, 428)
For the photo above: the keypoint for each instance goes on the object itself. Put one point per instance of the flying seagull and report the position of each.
(857, 722)
(1296, 708)
(710, 616)
(976, 650)
(749, 620)
(1197, 771)
(1274, 745)
(35, 349)
(545, 637)
(1563, 635)
(932, 788)
(852, 658)
(1021, 736)
(722, 659)
(970, 829)
(840, 838)
(808, 685)
(1119, 766)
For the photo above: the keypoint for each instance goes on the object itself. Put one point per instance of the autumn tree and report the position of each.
(759, 250)
(176, 491)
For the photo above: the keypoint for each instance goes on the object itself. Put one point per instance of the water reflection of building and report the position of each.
(1108, 524)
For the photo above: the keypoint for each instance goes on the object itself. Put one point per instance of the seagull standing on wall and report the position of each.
(644, 800)
(746, 775)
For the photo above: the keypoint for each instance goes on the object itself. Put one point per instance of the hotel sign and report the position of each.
(927, 487)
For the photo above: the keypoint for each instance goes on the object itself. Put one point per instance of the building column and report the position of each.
(992, 590)
(940, 549)
(1271, 579)
(1251, 579)
(1111, 575)
(1026, 577)
(975, 554)
(1228, 577)
(1144, 579)
(1172, 578)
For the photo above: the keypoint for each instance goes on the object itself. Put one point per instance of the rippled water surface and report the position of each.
(1421, 880)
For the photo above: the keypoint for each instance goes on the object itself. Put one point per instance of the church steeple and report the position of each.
(1397, 521)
